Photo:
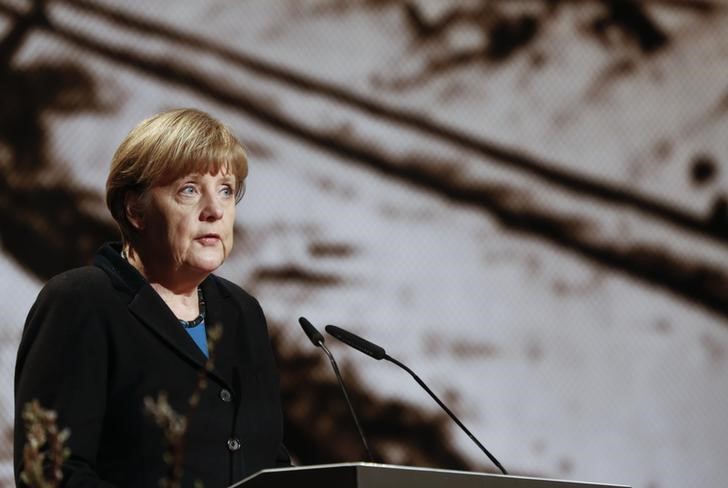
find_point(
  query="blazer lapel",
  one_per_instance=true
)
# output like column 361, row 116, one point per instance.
column 223, row 312
column 151, row 310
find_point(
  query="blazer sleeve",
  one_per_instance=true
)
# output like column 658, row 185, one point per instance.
column 62, row 362
column 262, row 348
column 282, row 456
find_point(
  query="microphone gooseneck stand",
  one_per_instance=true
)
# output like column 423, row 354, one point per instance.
column 317, row 339
column 378, row 353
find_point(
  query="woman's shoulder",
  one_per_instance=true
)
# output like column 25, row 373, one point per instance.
column 67, row 296
column 86, row 280
column 245, row 300
column 228, row 288
column 247, row 304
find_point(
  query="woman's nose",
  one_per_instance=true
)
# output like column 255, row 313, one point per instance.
column 212, row 208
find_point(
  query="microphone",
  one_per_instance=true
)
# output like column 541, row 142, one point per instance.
column 378, row 353
column 317, row 339
column 358, row 343
column 312, row 332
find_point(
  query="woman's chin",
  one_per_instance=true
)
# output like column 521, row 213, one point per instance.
column 207, row 263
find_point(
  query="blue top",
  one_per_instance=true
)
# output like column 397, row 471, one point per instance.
column 199, row 335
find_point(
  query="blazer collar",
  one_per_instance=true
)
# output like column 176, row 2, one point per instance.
column 147, row 306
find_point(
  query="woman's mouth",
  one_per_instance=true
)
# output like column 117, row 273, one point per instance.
column 208, row 239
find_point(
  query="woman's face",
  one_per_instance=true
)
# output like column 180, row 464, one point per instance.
column 187, row 225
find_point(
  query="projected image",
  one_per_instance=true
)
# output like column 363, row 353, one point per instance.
column 524, row 202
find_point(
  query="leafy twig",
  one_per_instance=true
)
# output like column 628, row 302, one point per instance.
column 173, row 424
column 42, row 430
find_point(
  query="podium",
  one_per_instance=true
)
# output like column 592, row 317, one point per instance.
column 372, row 475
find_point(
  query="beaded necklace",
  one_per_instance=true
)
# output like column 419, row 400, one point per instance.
column 187, row 324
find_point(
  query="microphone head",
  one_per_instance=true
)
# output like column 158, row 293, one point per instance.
column 353, row 340
column 313, row 334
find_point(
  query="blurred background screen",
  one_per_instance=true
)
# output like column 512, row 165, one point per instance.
column 526, row 202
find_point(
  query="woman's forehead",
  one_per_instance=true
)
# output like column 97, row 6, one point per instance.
column 222, row 174
column 221, row 170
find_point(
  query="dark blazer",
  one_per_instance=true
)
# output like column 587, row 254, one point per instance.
column 99, row 339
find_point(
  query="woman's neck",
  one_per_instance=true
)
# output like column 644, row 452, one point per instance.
column 184, row 306
column 178, row 292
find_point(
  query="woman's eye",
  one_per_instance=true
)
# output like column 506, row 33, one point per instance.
column 188, row 190
column 228, row 190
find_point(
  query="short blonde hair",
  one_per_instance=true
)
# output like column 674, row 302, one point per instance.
column 168, row 146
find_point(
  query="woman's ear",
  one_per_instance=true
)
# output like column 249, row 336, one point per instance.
column 133, row 210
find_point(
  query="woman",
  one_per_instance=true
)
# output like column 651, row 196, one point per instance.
column 100, row 339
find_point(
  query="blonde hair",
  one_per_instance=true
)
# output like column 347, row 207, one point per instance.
column 168, row 146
